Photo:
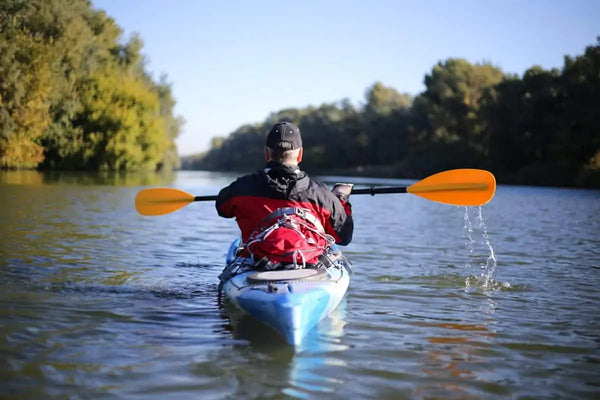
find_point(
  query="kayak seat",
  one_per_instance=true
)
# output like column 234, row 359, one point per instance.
column 284, row 275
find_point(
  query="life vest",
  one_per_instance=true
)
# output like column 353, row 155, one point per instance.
column 289, row 235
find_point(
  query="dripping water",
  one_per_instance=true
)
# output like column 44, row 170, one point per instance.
column 482, row 262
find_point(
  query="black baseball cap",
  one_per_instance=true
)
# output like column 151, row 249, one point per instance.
column 284, row 136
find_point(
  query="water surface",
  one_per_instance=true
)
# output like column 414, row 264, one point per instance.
column 97, row 301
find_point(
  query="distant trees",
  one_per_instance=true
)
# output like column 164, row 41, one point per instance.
column 545, row 127
column 541, row 128
column 73, row 97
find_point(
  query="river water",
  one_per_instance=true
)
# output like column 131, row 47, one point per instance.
column 449, row 302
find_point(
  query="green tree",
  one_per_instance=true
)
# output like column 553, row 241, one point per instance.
column 81, row 46
column 72, row 96
column 580, row 139
column 385, row 124
column 25, row 83
column 543, row 127
column 122, row 125
column 383, row 100
column 172, row 124
column 450, row 105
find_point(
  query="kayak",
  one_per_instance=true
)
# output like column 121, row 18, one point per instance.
column 291, row 301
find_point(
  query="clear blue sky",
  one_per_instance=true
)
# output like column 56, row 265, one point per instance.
column 234, row 62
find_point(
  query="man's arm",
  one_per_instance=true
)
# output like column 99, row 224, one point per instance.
column 341, row 218
column 223, row 205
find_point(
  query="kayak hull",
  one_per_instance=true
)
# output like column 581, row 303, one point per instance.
column 292, row 303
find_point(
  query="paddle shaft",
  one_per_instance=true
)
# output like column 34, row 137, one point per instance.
column 381, row 190
column 205, row 198
column 372, row 191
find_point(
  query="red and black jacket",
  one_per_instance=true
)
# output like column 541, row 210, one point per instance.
column 253, row 197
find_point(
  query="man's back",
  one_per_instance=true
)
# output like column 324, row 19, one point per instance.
column 253, row 197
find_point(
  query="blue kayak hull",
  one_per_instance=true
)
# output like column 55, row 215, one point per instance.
column 292, row 307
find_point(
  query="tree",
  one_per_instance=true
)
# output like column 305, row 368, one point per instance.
column 385, row 124
column 382, row 100
column 72, row 96
column 451, row 103
column 24, row 87
column 580, row 80
column 543, row 127
column 172, row 124
column 121, row 123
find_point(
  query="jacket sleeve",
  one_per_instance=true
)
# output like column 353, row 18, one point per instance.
column 341, row 221
column 224, row 204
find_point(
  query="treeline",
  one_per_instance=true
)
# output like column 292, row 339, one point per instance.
column 542, row 128
column 73, row 97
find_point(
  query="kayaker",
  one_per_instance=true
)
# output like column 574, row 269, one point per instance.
column 282, row 184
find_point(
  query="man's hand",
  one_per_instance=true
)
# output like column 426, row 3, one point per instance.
column 342, row 191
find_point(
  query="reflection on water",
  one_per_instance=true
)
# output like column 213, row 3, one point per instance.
column 458, row 353
column 32, row 177
column 306, row 371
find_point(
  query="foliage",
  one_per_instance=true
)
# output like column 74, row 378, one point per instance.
column 73, row 97
column 541, row 128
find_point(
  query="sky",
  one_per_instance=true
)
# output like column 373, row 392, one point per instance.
column 232, row 63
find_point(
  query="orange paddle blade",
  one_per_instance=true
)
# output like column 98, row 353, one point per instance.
column 461, row 187
column 160, row 201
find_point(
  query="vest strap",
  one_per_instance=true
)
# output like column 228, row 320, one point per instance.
column 301, row 212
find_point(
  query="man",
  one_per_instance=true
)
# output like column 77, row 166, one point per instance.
column 282, row 184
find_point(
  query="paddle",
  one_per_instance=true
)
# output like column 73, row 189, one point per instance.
column 461, row 187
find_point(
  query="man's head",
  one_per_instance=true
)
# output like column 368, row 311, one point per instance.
column 284, row 144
